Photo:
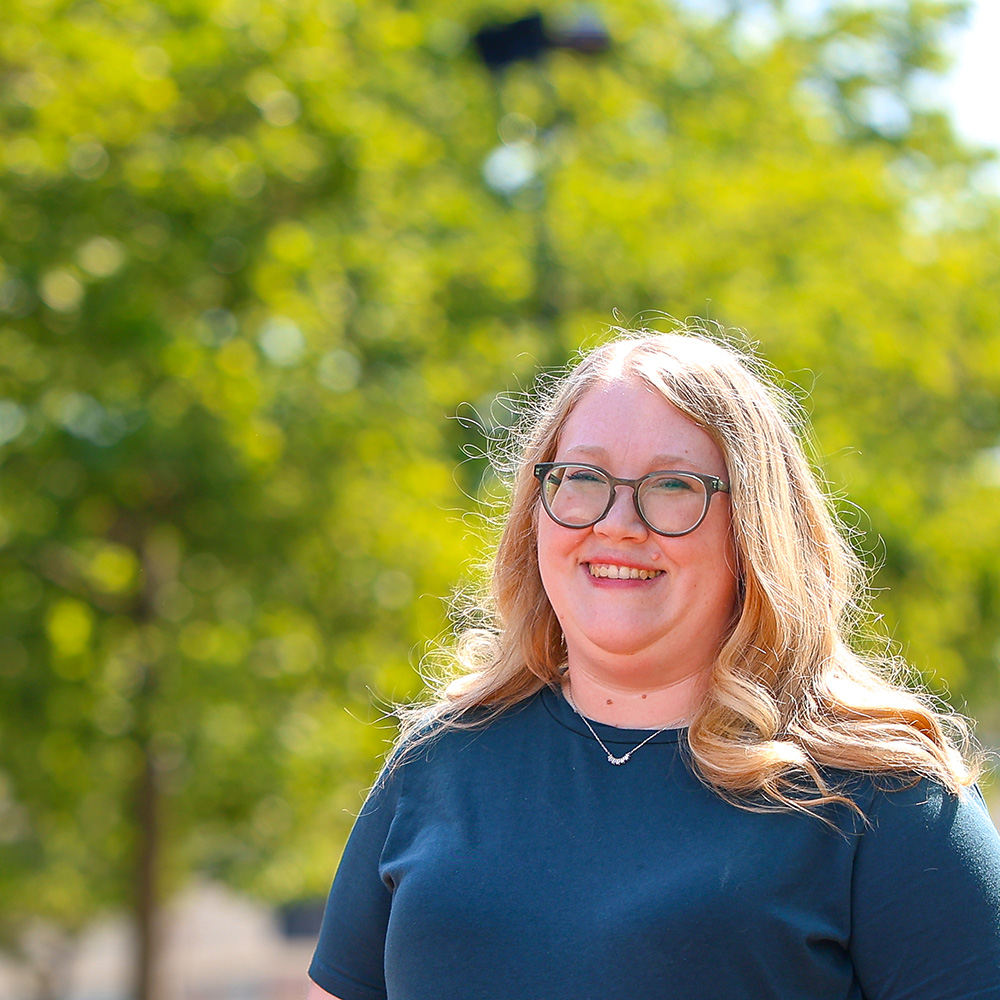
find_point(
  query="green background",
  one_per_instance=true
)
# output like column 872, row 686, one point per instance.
column 264, row 267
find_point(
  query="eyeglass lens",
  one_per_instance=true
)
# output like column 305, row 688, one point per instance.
column 578, row 496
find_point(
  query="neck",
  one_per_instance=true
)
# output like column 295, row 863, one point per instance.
column 630, row 706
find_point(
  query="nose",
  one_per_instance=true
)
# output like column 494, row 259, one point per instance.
column 623, row 520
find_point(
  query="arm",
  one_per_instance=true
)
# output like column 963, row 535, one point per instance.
column 349, row 957
column 318, row 993
column 926, row 897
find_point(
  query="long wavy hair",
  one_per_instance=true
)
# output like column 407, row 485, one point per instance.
column 792, row 694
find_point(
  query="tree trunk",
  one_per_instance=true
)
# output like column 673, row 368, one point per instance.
column 146, row 884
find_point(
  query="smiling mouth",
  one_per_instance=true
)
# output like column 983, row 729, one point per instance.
column 610, row 572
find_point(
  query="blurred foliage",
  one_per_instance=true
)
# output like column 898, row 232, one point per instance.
column 253, row 256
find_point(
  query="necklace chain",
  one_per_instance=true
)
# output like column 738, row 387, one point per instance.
column 612, row 759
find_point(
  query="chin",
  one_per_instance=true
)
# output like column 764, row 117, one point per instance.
column 613, row 647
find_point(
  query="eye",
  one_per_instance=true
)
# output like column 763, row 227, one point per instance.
column 670, row 484
column 584, row 476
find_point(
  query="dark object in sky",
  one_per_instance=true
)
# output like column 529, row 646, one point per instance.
column 501, row 43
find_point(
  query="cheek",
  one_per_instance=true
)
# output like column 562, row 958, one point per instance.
column 553, row 540
column 726, row 585
column 555, row 546
column 545, row 545
column 714, row 557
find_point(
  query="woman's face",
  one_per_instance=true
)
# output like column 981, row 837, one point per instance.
column 673, row 622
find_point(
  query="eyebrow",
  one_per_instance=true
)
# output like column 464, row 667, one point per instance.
column 659, row 462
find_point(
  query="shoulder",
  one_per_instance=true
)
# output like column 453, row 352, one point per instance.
column 889, row 802
column 445, row 734
column 911, row 805
column 922, row 828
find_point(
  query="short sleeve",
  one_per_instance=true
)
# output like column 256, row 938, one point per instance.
column 926, row 898
column 349, row 957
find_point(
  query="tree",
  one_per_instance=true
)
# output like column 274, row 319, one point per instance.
column 255, row 255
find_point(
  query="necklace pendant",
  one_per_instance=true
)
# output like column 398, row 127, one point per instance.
column 612, row 759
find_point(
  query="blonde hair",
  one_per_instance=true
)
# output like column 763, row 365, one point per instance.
column 788, row 697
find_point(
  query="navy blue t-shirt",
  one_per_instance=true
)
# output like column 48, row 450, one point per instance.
column 514, row 862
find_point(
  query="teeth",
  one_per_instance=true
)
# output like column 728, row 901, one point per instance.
column 612, row 572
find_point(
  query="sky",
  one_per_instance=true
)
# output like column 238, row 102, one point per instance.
column 972, row 91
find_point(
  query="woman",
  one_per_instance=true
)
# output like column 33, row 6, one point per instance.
column 664, row 773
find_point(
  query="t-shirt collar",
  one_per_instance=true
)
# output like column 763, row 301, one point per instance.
column 561, row 710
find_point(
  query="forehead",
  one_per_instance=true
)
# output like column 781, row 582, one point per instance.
column 626, row 422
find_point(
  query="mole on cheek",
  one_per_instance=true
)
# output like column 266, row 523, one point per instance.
column 608, row 702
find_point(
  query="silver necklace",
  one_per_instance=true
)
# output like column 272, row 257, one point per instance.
column 611, row 757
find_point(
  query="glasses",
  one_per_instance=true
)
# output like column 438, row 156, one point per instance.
column 670, row 503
